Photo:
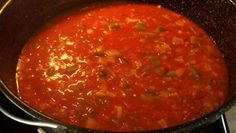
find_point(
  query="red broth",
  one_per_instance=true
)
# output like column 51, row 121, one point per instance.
column 122, row 67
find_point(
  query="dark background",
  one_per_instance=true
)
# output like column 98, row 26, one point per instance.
column 9, row 126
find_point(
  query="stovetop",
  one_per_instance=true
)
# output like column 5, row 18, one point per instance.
column 9, row 126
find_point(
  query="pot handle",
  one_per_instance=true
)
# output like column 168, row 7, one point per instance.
column 233, row 2
column 4, row 4
column 27, row 122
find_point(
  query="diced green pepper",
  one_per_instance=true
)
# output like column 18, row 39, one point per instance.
column 71, row 70
column 101, row 100
column 154, row 61
column 159, row 71
column 138, row 129
column 171, row 74
column 148, row 96
column 50, row 72
column 210, row 81
column 194, row 74
column 115, row 122
column 161, row 29
column 195, row 40
column 99, row 52
column 149, row 35
column 141, row 26
column 114, row 26
column 134, row 118
column 103, row 73
column 81, row 100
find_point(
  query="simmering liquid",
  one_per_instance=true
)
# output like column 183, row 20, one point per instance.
column 122, row 67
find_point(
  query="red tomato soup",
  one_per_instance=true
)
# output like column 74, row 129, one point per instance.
column 122, row 67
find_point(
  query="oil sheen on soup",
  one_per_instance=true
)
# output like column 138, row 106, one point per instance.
column 122, row 67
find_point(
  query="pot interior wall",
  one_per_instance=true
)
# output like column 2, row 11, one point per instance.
column 21, row 19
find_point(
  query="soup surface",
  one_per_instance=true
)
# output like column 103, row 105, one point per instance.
column 122, row 67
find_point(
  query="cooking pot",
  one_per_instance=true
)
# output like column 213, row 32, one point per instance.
column 20, row 19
